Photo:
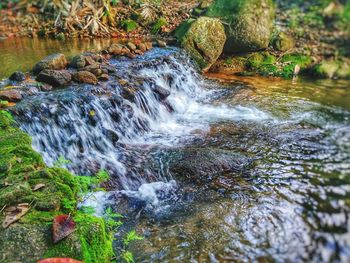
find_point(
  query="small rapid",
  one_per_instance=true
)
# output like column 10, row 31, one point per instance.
column 158, row 99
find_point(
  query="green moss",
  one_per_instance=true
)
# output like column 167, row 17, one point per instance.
column 129, row 25
column 182, row 29
column 256, row 60
column 158, row 25
column 21, row 169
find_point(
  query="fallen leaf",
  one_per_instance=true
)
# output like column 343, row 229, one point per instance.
column 38, row 187
column 14, row 213
column 63, row 226
column 59, row 260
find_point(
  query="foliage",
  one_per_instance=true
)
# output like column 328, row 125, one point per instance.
column 130, row 237
column 61, row 162
column 129, row 25
column 158, row 25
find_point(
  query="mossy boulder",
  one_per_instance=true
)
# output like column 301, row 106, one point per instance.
column 332, row 69
column 249, row 23
column 204, row 40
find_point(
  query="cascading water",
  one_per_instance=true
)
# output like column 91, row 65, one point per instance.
column 254, row 173
column 159, row 100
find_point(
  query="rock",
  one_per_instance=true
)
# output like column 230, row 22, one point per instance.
column 103, row 77
column 115, row 49
column 11, row 95
column 78, row 62
column 204, row 166
column 205, row 4
column 45, row 87
column 249, row 23
column 161, row 43
column 129, row 93
column 283, row 42
column 204, row 41
column 54, row 61
column 89, row 61
column 325, row 69
column 142, row 47
column 17, row 76
column 343, row 71
column 131, row 46
column 54, row 77
column 85, row 77
column 149, row 45
column 162, row 93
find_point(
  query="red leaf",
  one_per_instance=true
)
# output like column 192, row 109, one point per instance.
column 59, row 260
column 63, row 226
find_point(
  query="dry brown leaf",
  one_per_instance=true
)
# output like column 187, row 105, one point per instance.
column 14, row 213
column 38, row 187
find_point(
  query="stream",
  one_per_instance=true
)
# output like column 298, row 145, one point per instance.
column 208, row 168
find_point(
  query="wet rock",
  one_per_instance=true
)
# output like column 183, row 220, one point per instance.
column 115, row 49
column 78, row 62
column 149, row 45
column 129, row 93
column 161, row 43
column 12, row 95
column 54, row 61
column 18, row 76
column 131, row 46
column 162, row 93
column 283, row 42
column 142, row 47
column 204, row 40
column 103, row 77
column 90, row 60
column 109, row 69
column 97, row 72
column 112, row 136
column 85, row 77
column 205, row 166
column 123, row 82
column 45, row 87
column 249, row 23
column 54, row 77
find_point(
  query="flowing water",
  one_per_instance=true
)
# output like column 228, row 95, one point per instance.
column 228, row 170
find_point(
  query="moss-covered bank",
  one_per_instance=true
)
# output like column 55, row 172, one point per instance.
column 30, row 239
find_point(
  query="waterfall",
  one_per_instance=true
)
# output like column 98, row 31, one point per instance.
column 156, row 99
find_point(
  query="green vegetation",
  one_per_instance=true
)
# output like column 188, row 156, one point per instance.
column 21, row 169
column 129, row 25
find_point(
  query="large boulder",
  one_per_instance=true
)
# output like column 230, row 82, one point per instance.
column 54, row 61
column 54, row 77
column 203, row 39
column 249, row 23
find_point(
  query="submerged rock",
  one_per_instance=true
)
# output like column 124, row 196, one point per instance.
column 85, row 77
column 205, row 166
column 18, row 76
column 204, row 40
column 54, row 77
column 54, row 61
column 249, row 23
